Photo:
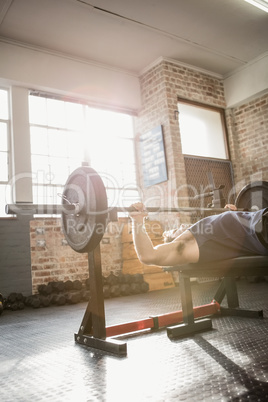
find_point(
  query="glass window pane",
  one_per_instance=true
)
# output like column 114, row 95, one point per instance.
column 4, row 166
column 51, row 195
column 201, row 132
column 3, row 104
column 74, row 116
column 40, row 168
column 3, row 137
column 130, row 175
column 55, row 113
column 37, row 110
column 76, row 144
column 39, row 141
column 114, row 125
column 57, row 142
column 73, row 133
column 59, row 170
column 123, row 151
column 125, row 126
column 119, row 197
column 73, row 164
column 128, row 197
column 46, row 194
column 38, row 194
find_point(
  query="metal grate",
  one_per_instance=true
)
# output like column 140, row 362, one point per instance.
column 197, row 171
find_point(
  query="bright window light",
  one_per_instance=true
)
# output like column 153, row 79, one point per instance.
column 261, row 4
column 201, row 132
column 65, row 134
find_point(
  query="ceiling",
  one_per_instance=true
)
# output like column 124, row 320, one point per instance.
column 216, row 35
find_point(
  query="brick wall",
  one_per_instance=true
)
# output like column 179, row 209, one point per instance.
column 248, row 139
column 52, row 259
column 160, row 88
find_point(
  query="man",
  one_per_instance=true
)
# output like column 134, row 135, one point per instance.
column 214, row 238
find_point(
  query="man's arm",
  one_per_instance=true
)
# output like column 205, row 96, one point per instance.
column 182, row 250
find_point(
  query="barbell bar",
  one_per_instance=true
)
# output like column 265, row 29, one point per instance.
column 56, row 209
column 245, row 199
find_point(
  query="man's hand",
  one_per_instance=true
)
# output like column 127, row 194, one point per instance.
column 139, row 212
column 232, row 207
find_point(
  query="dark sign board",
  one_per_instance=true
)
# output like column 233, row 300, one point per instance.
column 153, row 157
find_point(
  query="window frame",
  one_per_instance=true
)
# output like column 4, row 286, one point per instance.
column 221, row 112
column 8, row 151
column 5, row 184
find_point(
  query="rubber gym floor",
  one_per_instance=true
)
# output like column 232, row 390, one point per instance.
column 41, row 362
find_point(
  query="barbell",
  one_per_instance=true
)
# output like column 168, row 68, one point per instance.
column 85, row 212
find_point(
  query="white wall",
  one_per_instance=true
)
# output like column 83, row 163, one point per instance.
column 33, row 69
column 247, row 82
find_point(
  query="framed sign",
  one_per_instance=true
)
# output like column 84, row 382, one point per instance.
column 153, row 158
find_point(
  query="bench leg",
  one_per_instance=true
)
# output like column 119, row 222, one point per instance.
column 228, row 287
column 231, row 292
column 239, row 312
column 189, row 325
column 221, row 292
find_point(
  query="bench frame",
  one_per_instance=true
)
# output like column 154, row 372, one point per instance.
column 228, row 270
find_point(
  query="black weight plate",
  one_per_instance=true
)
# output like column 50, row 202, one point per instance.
column 84, row 231
column 253, row 196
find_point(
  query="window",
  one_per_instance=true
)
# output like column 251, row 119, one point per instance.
column 65, row 134
column 4, row 149
column 202, row 130
column 111, row 147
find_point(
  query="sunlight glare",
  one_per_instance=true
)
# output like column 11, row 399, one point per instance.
column 3, row 104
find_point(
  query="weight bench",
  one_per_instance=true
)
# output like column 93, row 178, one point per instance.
column 228, row 270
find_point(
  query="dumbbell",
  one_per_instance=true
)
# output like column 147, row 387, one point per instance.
column 45, row 289
column 125, row 289
column 106, row 291
column 58, row 299
column 57, row 287
column 85, row 295
column 112, row 279
column 68, row 285
column 115, row 290
column 73, row 297
column 12, row 298
column 77, row 285
column 128, row 278
column 137, row 278
column 33, row 301
column 135, row 288
column 144, row 287
column 14, row 306
column 14, row 301
column 45, row 300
